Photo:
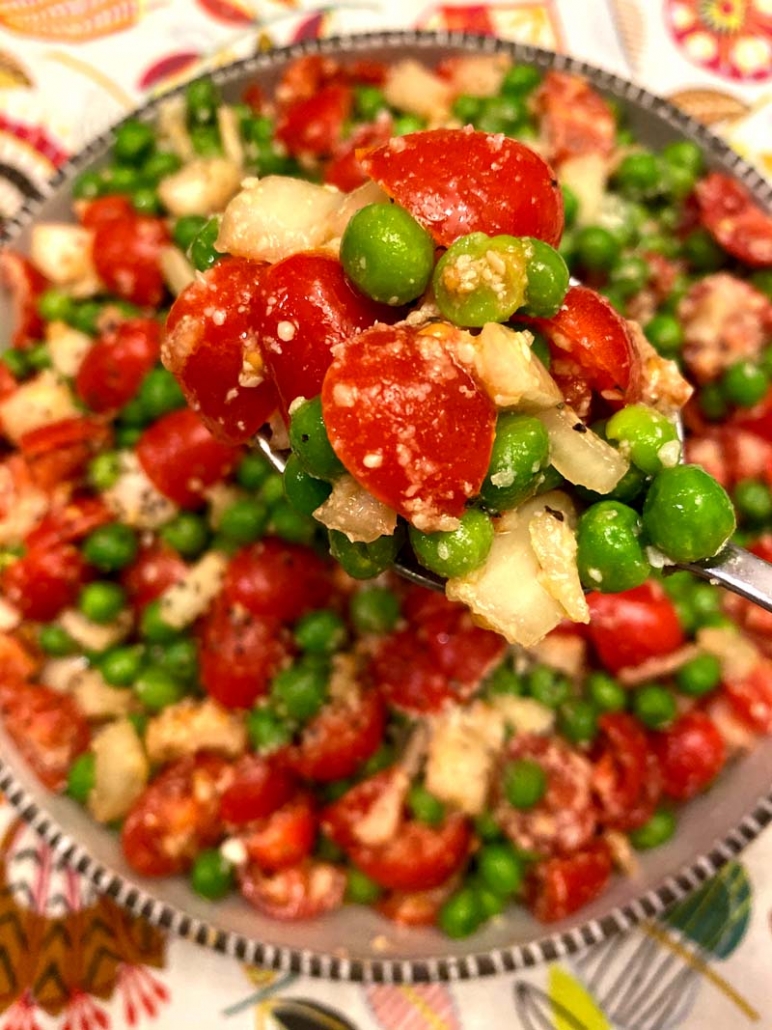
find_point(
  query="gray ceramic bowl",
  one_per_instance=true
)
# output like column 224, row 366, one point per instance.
column 711, row 830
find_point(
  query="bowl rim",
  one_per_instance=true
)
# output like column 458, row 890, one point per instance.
column 143, row 902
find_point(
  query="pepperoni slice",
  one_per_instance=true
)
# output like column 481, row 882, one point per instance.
column 457, row 181
column 732, row 216
column 409, row 424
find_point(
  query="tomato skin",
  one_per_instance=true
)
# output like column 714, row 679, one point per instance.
column 344, row 169
column 260, row 786
column 574, row 117
column 732, row 216
column 751, row 696
column 414, row 908
column 625, row 783
column 458, row 181
column 285, row 837
column 239, row 653
column 155, row 568
column 691, row 754
column 314, row 124
column 298, row 892
column 418, row 857
column 310, row 292
column 115, row 365
column 208, row 327
column 396, row 392
column 181, row 457
column 561, row 886
column 406, row 674
column 627, row 628
column 277, row 580
column 17, row 664
column 48, row 728
column 103, row 210
column 70, row 522
column 45, row 580
column 61, row 450
column 126, row 254
column 339, row 739
column 25, row 285
column 176, row 816
column 592, row 347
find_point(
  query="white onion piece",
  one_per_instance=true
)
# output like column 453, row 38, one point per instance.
column 201, row 187
column 580, row 455
column 121, row 771
column 352, row 510
column 554, row 545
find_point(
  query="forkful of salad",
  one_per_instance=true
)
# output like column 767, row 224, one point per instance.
column 445, row 393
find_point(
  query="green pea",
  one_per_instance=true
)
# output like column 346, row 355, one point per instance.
column 656, row 831
column 86, row 316
column 152, row 625
column 111, row 547
column 259, row 129
column 712, row 402
column 665, row 334
column 134, row 140
column 606, row 693
column 364, row 561
column 321, row 632
column 504, row 681
column 639, row 175
column 762, row 280
column 102, row 602
column 466, row 108
column 504, row 113
column 15, row 361
column 629, row 275
column 678, row 182
column 267, row 730
column 81, row 777
column 610, row 556
column 455, row 552
column 202, row 99
column 38, row 357
column 159, row 393
column 327, row 850
column 55, row 305
column 368, row 102
column 491, row 903
column 654, row 706
column 133, row 414
column 146, row 201
column 139, row 721
column 203, row 253
column 56, row 641
column 360, row 889
column 570, row 205
column 382, row 759
column 660, row 243
column 310, row 443
column 501, row 868
column 156, row 689
column 288, row 523
column 406, row 123
column 272, row 490
column 524, row 782
column 212, row 876
column 699, row 676
column 702, row 252
column 87, row 186
column 520, row 79
column 644, row 436
column 120, row 179
column 687, row 514
column 253, row 470
column 548, row 686
column 186, row 229
column 578, row 720
column 160, row 164
column 179, row 658
column 547, row 276
column 597, row 249
column 374, row 610
column 187, row 533
column 753, row 500
column 744, row 384
column 300, row 690
column 461, row 914
column 481, row 279
column 270, row 160
column 387, row 254
column 304, row 492
column 120, row 666
column 684, row 154
column 425, row 806
column 486, row 827
column 520, row 452
column 104, row 470
column 244, row 521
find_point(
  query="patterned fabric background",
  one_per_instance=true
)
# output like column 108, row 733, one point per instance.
column 71, row 959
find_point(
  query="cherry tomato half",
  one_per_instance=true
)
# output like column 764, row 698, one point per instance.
column 277, row 580
column 127, row 255
column 628, row 628
column 732, row 216
column 45, row 580
column 117, row 362
column 575, row 119
column 561, row 886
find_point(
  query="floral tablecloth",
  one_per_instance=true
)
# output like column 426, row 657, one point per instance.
column 72, row 959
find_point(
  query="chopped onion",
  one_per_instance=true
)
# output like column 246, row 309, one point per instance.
column 508, row 369
column 191, row 726
column 39, row 402
column 183, row 602
column 121, row 771
column 201, row 187
column 578, row 454
column 352, row 510
column 554, row 545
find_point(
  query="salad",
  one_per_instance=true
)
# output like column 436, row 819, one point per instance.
column 375, row 264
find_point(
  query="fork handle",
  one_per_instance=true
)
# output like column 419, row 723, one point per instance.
column 739, row 571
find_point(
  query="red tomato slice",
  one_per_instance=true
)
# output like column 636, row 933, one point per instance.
column 239, row 653
column 45, row 580
column 340, row 738
column 628, row 628
column 409, row 424
column 285, row 838
column 575, row 119
column 16, row 663
column 457, row 181
column 620, row 776
column 406, row 673
column 414, row 908
column 115, row 365
column 24, row 284
column 591, row 345
column 209, row 328
column 751, row 696
column 113, row 208
column 277, row 580
column 419, row 857
column 127, row 258
column 70, row 522
column 691, row 754
column 315, row 124
column 561, row 886
column 732, row 216
column 344, row 169
column 308, row 74
column 300, row 892
column 182, row 459
column 260, row 787
column 565, row 819
column 307, row 306
column 155, row 568
column 176, row 816
column 60, row 451
column 47, row 727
